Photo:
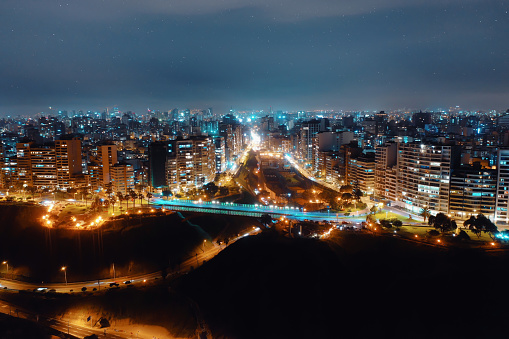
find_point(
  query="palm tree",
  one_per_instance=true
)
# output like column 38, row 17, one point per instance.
column 109, row 189
column 106, row 203
column 425, row 213
column 132, row 194
column 84, row 193
column 113, row 201
column 120, row 198
column 96, row 203
column 149, row 196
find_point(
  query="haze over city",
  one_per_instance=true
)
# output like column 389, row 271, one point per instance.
column 289, row 55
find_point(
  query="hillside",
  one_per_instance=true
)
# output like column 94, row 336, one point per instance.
column 353, row 285
column 136, row 245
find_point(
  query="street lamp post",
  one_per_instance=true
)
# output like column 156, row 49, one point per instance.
column 7, row 270
column 65, row 273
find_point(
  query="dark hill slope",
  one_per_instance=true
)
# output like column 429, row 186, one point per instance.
column 352, row 286
column 264, row 286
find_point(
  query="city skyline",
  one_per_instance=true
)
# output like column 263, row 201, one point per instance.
column 288, row 56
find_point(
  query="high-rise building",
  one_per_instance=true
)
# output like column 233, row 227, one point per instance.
column 122, row 178
column 157, row 163
column 307, row 134
column 385, row 163
column 473, row 191
column 106, row 158
column 191, row 162
column 68, row 160
column 52, row 165
column 502, row 201
column 220, row 151
column 362, row 172
column 424, row 174
column 44, row 166
column 24, row 163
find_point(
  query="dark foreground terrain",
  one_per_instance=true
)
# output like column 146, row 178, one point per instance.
column 353, row 285
column 138, row 244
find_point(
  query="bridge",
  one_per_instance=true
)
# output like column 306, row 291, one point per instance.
column 246, row 210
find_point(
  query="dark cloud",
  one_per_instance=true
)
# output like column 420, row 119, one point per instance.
column 289, row 55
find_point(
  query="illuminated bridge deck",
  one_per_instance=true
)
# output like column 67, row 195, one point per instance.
column 227, row 208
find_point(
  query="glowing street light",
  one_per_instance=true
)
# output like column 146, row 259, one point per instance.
column 6, row 263
column 65, row 273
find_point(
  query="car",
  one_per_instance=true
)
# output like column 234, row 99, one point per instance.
column 114, row 284
column 127, row 282
column 345, row 222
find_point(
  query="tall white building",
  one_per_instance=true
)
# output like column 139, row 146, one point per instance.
column 424, row 173
column 502, row 201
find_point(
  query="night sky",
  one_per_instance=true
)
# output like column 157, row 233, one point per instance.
column 288, row 55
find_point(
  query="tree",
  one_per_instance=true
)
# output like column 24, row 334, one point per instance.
column 223, row 190
column 373, row 209
column 357, row 193
column 370, row 218
column 167, row 193
column 96, row 203
column 109, row 189
column 113, row 201
column 31, row 189
column 385, row 223
column 149, row 196
column 442, row 222
column 397, row 223
column 70, row 190
column 132, row 194
column 346, row 197
column 425, row 213
column 211, row 188
column 84, row 190
column 120, row 198
column 106, row 203
column 481, row 224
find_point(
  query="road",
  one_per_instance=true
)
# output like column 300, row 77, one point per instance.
column 192, row 261
column 59, row 324
column 80, row 331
